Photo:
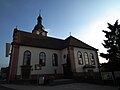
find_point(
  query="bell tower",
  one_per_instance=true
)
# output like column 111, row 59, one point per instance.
column 39, row 28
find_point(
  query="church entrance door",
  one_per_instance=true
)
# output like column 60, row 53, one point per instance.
column 67, row 68
column 25, row 72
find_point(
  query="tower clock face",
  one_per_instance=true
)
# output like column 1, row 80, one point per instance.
column 38, row 32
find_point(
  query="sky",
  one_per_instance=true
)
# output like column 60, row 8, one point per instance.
column 85, row 19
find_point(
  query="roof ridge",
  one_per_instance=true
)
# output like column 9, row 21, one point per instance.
column 51, row 42
column 70, row 42
column 39, row 35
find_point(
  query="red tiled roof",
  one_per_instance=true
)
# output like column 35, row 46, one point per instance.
column 34, row 40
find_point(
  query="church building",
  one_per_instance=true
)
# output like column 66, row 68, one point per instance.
column 36, row 54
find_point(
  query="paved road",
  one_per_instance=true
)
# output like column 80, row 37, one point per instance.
column 74, row 86
column 5, row 88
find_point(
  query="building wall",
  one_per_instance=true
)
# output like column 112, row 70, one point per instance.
column 64, row 54
column 13, row 62
column 79, row 68
column 48, row 68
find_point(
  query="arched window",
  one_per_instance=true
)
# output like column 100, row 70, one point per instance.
column 86, row 58
column 42, row 58
column 92, row 59
column 55, row 59
column 80, row 59
column 27, row 57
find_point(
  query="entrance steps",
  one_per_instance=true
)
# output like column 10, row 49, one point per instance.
column 62, row 81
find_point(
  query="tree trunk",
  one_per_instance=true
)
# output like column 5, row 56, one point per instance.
column 114, row 79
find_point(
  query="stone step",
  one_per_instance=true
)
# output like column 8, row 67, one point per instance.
column 62, row 81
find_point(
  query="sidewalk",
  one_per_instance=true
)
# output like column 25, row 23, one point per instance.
column 74, row 86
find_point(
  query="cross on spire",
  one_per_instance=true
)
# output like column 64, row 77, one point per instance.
column 70, row 33
column 40, row 12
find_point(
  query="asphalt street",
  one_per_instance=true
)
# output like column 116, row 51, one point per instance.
column 5, row 88
column 73, row 86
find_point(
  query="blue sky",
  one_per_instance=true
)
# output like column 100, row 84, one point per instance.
column 85, row 19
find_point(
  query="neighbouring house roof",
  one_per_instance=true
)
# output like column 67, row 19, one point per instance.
column 34, row 40
column 110, row 66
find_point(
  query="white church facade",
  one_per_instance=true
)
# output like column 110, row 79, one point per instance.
column 36, row 54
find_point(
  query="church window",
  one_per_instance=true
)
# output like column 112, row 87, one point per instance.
column 86, row 58
column 79, row 56
column 55, row 59
column 27, row 57
column 42, row 58
column 92, row 59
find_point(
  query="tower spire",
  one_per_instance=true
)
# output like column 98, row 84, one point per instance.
column 39, row 17
column 39, row 28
